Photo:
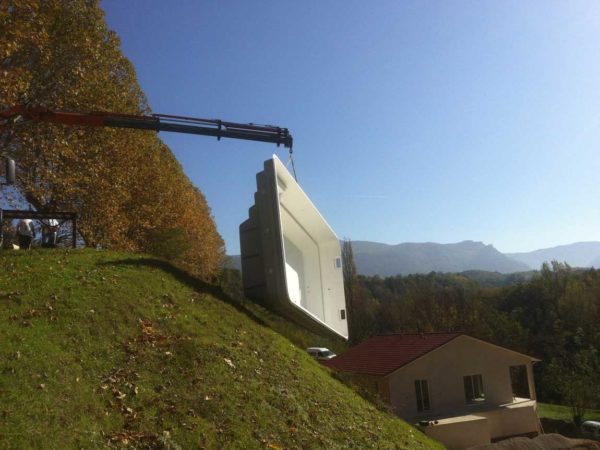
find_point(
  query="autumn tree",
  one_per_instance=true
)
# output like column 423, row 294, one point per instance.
column 362, row 311
column 575, row 378
column 351, row 286
column 126, row 185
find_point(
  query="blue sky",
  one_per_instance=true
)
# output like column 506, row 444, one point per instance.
column 413, row 121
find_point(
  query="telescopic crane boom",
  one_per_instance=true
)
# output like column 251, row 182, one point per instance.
column 157, row 122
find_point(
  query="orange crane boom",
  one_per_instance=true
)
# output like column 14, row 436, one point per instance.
column 157, row 122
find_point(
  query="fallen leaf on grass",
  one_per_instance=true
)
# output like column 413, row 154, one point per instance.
column 229, row 363
column 32, row 313
column 119, row 395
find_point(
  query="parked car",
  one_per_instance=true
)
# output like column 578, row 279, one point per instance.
column 320, row 353
column 591, row 429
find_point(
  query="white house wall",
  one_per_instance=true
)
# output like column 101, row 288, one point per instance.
column 444, row 369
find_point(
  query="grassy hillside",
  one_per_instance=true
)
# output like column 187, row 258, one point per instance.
column 564, row 413
column 101, row 349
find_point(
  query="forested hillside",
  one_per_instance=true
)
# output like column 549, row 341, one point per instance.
column 554, row 316
column 127, row 187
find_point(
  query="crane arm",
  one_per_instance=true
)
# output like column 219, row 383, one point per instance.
column 157, row 122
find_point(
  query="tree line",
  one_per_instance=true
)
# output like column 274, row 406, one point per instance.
column 553, row 314
column 126, row 185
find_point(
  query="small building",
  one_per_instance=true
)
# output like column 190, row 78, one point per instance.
column 460, row 390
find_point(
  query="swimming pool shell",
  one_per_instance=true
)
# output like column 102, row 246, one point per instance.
column 291, row 258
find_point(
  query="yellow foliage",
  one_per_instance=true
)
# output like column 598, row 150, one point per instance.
column 124, row 184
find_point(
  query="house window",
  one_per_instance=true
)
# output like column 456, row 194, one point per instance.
column 474, row 389
column 422, row 393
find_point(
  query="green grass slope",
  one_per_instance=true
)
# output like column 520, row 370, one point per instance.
column 101, row 349
column 564, row 413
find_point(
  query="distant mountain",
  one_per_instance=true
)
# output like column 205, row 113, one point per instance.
column 595, row 263
column 579, row 254
column 373, row 258
column 233, row 262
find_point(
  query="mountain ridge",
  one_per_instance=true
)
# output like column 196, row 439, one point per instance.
column 377, row 258
column 578, row 254
column 411, row 257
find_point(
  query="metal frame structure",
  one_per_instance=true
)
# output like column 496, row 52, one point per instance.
column 10, row 214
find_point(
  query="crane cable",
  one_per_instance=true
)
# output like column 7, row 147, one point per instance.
column 291, row 161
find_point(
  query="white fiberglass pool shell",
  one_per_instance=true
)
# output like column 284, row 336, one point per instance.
column 291, row 258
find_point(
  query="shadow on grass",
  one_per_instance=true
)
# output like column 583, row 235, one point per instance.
column 183, row 277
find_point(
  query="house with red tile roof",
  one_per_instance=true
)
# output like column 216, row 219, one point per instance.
column 463, row 391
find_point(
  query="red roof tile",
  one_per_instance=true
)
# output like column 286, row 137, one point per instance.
column 381, row 355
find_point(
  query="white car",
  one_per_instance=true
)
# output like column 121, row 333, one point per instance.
column 591, row 429
column 320, row 353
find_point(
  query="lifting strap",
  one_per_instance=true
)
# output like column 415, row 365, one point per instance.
column 291, row 161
